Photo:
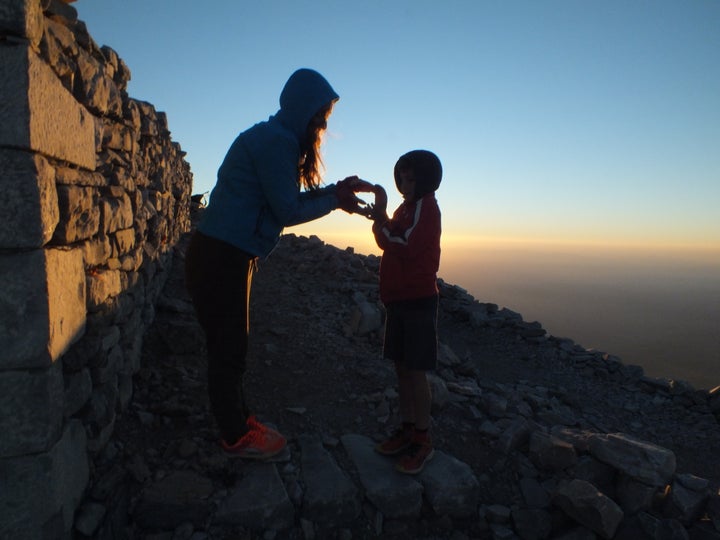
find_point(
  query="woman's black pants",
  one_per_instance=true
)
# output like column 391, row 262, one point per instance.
column 218, row 277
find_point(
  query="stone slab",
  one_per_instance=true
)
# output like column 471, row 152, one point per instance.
column 22, row 18
column 258, row 501
column 24, row 320
column 180, row 497
column 644, row 461
column 37, row 489
column 450, row 486
column 66, row 299
column 394, row 494
column 37, row 113
column 31, row 410
column 585, row 504
column 29, row 201
column 42, row 306
column 330, row 496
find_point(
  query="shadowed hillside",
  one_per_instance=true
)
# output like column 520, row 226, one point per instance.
column 537, row 437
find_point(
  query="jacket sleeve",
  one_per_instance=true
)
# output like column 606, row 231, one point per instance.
column 278, row 175
column 408, row 242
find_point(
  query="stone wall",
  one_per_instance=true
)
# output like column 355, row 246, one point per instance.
column 93, row 195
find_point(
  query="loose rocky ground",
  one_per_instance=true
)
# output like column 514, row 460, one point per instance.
column 517, row 408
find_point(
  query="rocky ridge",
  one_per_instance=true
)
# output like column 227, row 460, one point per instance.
column 536, row 437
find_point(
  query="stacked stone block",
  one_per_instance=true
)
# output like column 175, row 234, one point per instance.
column 93, row 195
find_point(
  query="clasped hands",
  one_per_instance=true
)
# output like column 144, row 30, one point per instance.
column 352, row 204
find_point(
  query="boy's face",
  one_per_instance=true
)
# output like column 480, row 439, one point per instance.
column 407, row 184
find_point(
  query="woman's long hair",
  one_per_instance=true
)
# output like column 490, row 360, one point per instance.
column 311, row 166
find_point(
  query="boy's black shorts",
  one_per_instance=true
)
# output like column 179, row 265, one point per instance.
column 411, row 333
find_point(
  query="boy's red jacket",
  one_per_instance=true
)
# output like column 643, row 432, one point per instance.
column 411, row 250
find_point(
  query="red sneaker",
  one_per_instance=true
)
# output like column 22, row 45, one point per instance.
column 401, row 439
column 254, row 425
column 416, row 458
column 256, row 444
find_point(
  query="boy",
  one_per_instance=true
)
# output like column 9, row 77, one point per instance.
column 408, row 288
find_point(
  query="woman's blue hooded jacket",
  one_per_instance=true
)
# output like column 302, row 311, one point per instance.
column 257, row 192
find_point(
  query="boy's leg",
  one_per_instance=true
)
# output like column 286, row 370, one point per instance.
column 402, row 438
column 393, row 352
column 421, row 450
column 421, row 398
column 421, row 354
column 406, row 394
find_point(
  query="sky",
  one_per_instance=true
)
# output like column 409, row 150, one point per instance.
column 559, row 122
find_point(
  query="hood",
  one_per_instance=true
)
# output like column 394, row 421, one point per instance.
column 304, row 94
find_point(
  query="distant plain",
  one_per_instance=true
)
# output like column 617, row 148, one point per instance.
column 659, row 309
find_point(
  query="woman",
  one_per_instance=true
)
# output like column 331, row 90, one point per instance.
column 269, row 179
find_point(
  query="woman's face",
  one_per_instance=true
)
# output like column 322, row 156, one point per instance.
column 319, row 121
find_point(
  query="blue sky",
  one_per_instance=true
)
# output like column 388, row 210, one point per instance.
column 561, row 121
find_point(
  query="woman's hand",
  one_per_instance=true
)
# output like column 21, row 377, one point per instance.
column 359, row 185
column 348, row 201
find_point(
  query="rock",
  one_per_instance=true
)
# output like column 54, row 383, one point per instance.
column 585, row 504
column 578, row 533
column 599, row 474
column 634, row 496
column 395, row 495
column 330, row 496
column 532, row 523
column 498, row 513
column 515, row 436
column 692, row 482
column 450, row 486
column 713, row 507
column 258, row 501
column 703, row 531
column 550, row 453
column 370, row 319
column 685, row 504
column 89, row 518
column 714, row 401
column 179, row 497
column 489, row 429
column 439, row 392
column 446, row 356
column 662, row 529
column 638, row 459
column 494, row 404
column 534, row 494
column 580, row 439
column 469, row 388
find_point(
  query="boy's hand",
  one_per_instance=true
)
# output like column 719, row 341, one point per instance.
column 379, row 209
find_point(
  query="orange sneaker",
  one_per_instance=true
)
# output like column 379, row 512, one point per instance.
column 401, row 439
column 415, row 458
column 258, row 443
